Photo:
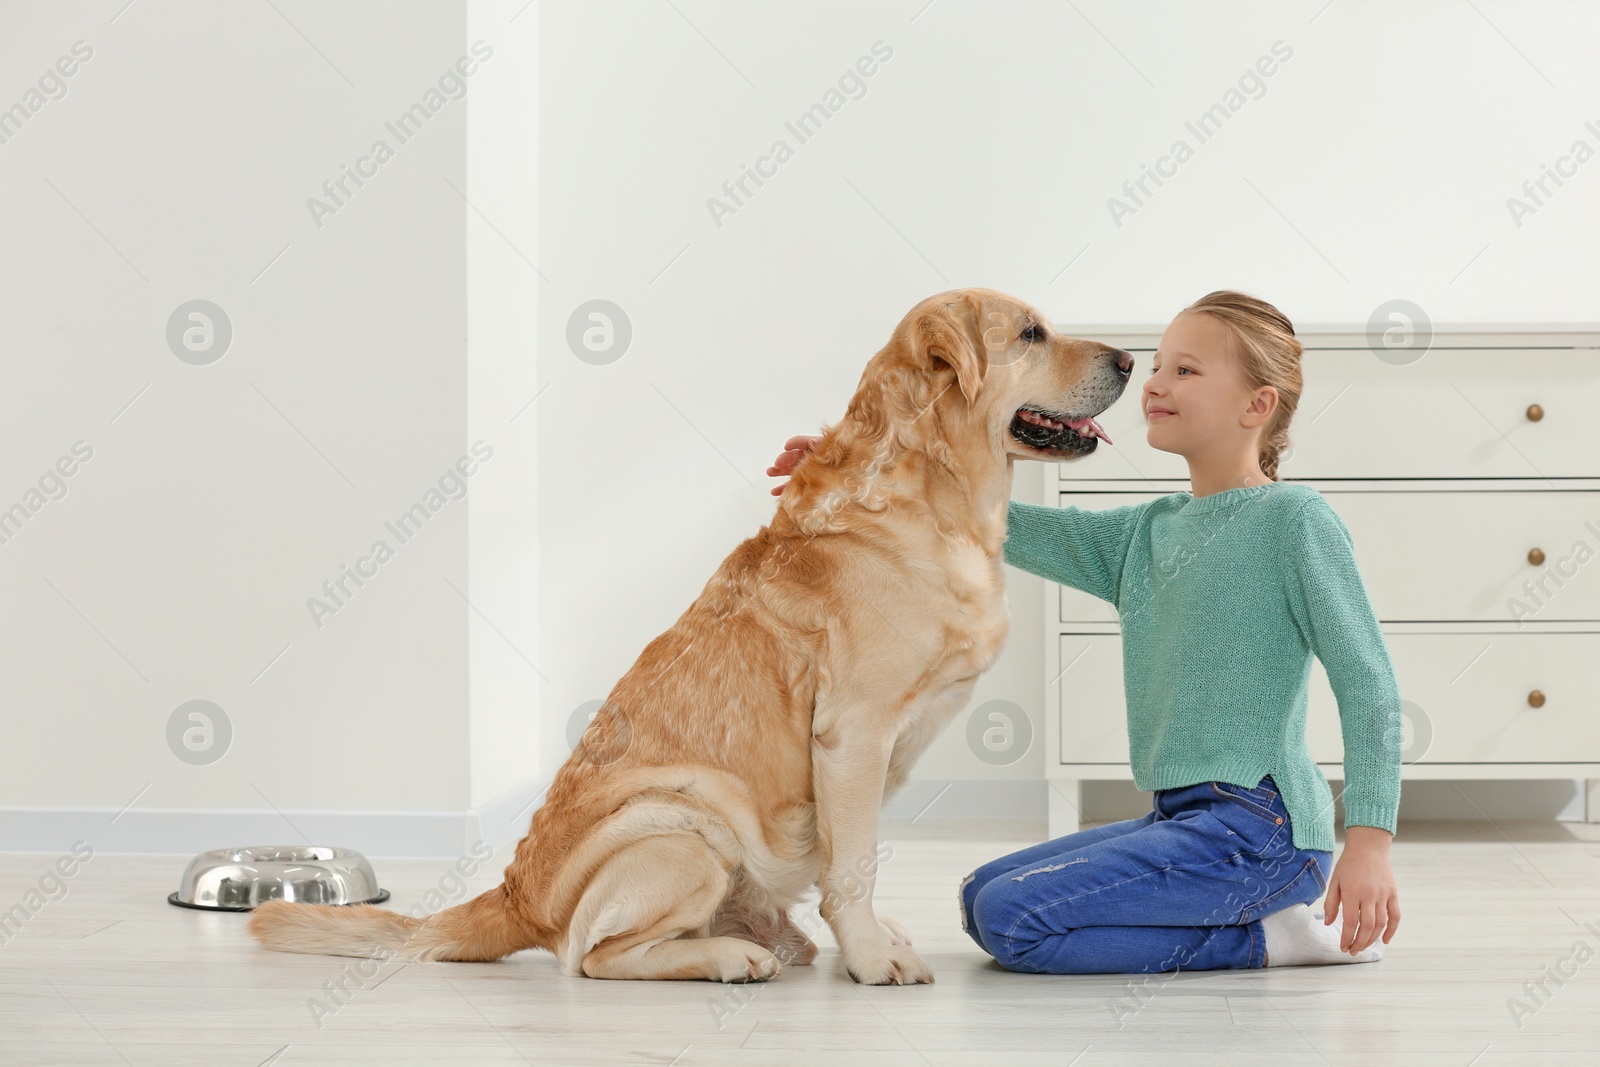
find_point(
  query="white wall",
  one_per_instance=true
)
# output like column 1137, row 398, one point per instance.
column 372, row 351
column 218, row 498
column 502, row 227
column 1375, row 164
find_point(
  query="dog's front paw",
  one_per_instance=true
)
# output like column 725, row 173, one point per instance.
column 896, row 933
column 889, row 965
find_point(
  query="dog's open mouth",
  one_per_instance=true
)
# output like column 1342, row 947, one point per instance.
column 1053, row 431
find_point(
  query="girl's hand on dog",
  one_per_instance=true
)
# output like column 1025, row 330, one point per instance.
column 794, row 450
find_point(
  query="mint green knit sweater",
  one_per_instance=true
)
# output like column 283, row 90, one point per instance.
column 1223, row 599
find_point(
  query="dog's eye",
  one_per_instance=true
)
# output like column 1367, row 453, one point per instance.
column 1033, row 333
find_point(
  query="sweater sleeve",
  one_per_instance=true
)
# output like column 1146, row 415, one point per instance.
column 1071, row 545
column 1329, row 603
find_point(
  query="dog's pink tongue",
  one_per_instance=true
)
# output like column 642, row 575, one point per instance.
column 1090, row 428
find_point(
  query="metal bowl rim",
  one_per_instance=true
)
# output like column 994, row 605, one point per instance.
column 172, row 898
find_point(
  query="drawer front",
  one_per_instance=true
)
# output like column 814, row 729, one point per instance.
column 1446, row 556
column 1467, row 699
column 1078, row 606
column 1454, row 413
column 1459, row 556
column 1091, row 704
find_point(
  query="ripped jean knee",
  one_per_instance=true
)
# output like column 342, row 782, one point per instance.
column 964, row 899
column 966, row 905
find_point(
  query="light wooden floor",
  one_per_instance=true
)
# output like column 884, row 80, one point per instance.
column 111, row 974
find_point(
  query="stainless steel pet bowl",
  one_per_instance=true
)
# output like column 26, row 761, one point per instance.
column 240, row 879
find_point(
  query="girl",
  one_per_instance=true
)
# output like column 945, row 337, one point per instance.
column 1224, row 593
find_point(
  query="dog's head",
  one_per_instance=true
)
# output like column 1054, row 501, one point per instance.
column 970, row 379
column 997, row 368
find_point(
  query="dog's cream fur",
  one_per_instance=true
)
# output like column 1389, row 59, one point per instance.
column 745, row 755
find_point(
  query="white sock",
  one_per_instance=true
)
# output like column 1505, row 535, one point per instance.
column 1296, row 936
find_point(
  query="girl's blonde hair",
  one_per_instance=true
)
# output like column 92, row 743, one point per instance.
column 1269, row 354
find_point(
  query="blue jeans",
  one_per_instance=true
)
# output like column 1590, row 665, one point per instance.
column 1181, row 888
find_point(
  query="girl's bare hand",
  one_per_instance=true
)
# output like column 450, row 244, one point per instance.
column 794, row 450
column 1363, row 883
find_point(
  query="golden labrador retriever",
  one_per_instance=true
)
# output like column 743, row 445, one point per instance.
column 744, row 757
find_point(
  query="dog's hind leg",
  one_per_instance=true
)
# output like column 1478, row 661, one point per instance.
column 632, row 917
column 791, row 943
column 747, row 913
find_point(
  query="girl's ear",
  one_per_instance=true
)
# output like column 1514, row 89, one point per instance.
column 1264, row 403
column 948, row 334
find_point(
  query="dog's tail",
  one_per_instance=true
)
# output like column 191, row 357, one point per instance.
column 484, row 928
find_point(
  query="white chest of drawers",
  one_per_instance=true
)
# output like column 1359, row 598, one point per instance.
column 1469, row 477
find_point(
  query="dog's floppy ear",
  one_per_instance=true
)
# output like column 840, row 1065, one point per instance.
column 948, row 333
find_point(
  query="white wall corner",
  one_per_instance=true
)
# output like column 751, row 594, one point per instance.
column 500, row 215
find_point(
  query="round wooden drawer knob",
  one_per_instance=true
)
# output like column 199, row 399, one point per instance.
column 1535, row 556
column 1536, row 699
column 1535, row 412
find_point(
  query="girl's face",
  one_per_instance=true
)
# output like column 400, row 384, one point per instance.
column 1196, row 400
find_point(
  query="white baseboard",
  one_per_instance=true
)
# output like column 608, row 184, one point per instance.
column 372, row 833
column 505, row 821
column 968, row 798
column 420, row 833
column 925, row 802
